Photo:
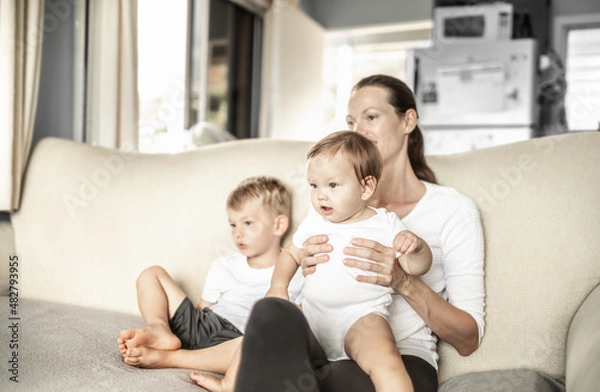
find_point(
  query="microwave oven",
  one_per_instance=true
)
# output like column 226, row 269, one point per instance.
column 483, row 22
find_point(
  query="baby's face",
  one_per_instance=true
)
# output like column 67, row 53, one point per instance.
column 336, row 193
column 252, row 228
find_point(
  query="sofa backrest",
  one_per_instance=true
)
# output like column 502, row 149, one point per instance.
column 540, row 211
column 92, row 219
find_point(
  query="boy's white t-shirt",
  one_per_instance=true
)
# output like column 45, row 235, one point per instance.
column 234, row 287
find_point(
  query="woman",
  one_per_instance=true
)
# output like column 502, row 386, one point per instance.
column 279, row 352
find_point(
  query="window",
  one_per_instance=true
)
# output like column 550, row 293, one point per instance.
column 577, row 41
column 582, row 100
column 161, row 74
column 198, row 70
column 353, row 54
column 226, row 96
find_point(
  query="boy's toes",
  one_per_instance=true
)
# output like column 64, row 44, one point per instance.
column 133, row 361
column 134, row 352
column 125, row 335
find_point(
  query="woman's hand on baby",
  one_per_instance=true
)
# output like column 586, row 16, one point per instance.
column 382, row 262
column 315, row 245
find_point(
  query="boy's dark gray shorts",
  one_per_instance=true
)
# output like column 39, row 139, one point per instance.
column 200, row 328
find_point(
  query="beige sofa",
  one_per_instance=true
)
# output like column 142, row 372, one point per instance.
column 91, row 219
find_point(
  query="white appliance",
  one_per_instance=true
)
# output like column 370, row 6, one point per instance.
column 474, row 95
column 482, row 22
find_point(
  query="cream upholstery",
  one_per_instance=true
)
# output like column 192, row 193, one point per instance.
column 91, row 219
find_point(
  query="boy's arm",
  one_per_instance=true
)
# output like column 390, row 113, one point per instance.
column 416, row 255
column 285, row 268
column 213, row 286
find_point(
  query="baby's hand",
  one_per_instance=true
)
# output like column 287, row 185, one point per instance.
column 278, row 293
column 406, row 242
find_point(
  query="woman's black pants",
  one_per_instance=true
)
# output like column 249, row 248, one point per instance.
column 281, row 354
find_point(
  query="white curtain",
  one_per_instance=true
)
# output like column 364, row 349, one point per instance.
column 112, row 94
column 21, row 29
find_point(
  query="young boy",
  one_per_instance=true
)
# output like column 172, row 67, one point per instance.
column 258, row 211
column 347, row 317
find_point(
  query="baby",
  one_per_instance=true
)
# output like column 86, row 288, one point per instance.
column 349, row 317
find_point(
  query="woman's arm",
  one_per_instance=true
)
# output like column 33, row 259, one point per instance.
column 448, row 322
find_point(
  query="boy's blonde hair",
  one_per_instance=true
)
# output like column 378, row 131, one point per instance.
column 362, row 153
column 270, row 191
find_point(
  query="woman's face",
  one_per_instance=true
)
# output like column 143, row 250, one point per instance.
column 370, row 114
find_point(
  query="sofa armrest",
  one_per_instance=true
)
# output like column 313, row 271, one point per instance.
column 583, row 346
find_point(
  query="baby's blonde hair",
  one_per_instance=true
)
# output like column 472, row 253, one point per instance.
column 270, row 191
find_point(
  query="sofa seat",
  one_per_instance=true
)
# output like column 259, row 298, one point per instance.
column 73, row 348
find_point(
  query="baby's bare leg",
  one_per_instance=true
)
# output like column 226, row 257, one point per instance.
column 370, row 342
column 158, row 299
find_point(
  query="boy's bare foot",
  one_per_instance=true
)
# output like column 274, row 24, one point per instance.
column 147, row 358
column 155, row 336
column 210, row 382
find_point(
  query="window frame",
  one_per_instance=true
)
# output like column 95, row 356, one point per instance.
column 197, row 77
column 564, row 24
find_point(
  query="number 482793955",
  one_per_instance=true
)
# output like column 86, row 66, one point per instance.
column 13, row 282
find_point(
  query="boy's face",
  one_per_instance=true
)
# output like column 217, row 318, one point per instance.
column 336, row 194
column 253, row 228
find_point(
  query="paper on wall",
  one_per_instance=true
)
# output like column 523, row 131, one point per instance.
column 471, row 87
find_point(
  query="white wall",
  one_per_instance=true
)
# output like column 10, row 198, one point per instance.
column 291, row 75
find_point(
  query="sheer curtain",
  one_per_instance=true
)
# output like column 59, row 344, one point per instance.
column 20, row 53
column 112, row 89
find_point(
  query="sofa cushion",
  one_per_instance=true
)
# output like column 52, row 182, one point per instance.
column 70, row 348
column 522, row 380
